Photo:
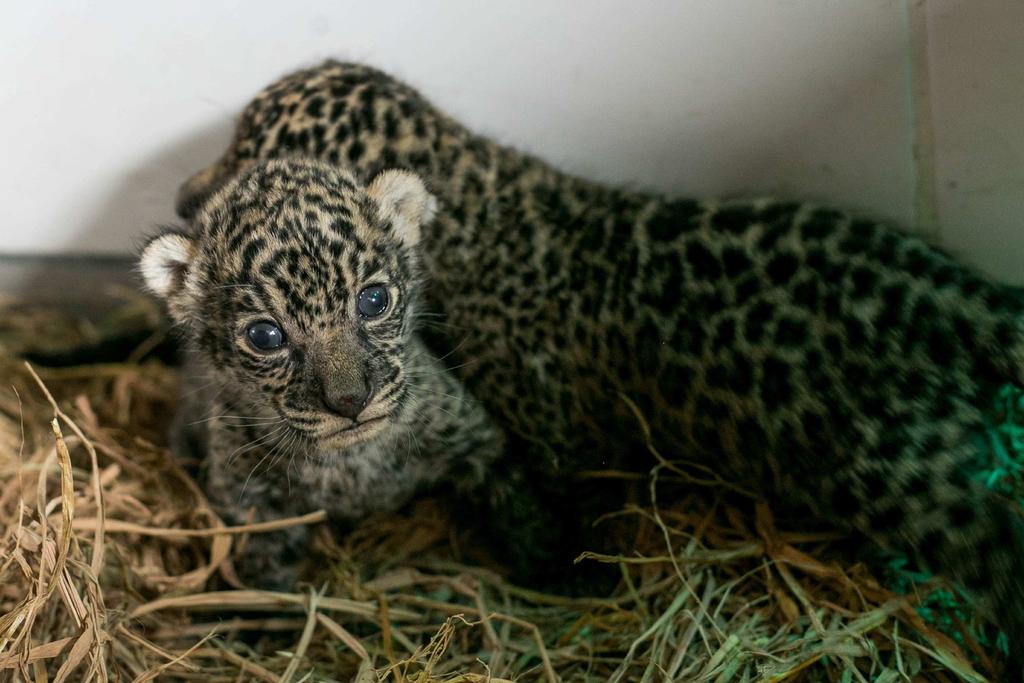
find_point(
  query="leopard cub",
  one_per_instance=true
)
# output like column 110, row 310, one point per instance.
column 305, row 384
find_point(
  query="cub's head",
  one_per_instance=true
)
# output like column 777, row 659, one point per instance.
column 295, row 288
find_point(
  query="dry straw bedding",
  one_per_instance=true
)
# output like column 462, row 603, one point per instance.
column 113, row 567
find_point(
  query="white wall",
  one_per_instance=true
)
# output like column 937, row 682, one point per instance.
column 107, row 106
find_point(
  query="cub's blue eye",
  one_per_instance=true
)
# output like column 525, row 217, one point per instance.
column 265, row 336
column 372, row 301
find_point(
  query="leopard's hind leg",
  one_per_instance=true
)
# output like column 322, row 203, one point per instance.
column 912, row 487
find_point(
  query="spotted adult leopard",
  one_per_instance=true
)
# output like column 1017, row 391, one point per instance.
column 831, row 361
column 295, row 291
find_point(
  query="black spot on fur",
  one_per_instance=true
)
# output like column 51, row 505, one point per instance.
column 791, row 332
column 672, row 219
column 756, row 320
column 864, row 281
column 736, row 262
column 931, row 547
column 941, row 346
column 355, row 151
column 776, row 383
column 779, row 212
column 855, row 243
column 782, row 268
column 834, row 345
column 807, row 294
column 734, row 219
column 773, row 233
column 741, row 375
column 337, row 109
column 813, row 426
column 725, row 333
column 917, row 262
column 747, row 288
column 894, row 298
column 962, row 514
column 833, row 305
column 819, row 225
column 945, row 275
column 703, row 261
column 856, row 335
column 689, row 338
column 315, row 107
column 717, row 376
column 817, row 259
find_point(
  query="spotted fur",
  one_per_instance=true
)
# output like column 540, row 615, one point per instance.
column 295, row 247
column 834, row 362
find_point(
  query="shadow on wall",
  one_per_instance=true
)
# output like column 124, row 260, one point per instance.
column 790, row 153
column 765, row 162
column 137, row 205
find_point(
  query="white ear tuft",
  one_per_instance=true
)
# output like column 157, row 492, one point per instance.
column 403, row 200
column 163, row 263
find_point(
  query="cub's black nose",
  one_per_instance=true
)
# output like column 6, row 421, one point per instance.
column 347, row 401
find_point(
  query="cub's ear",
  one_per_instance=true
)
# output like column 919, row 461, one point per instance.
column 404, row 201
column 164, row 263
